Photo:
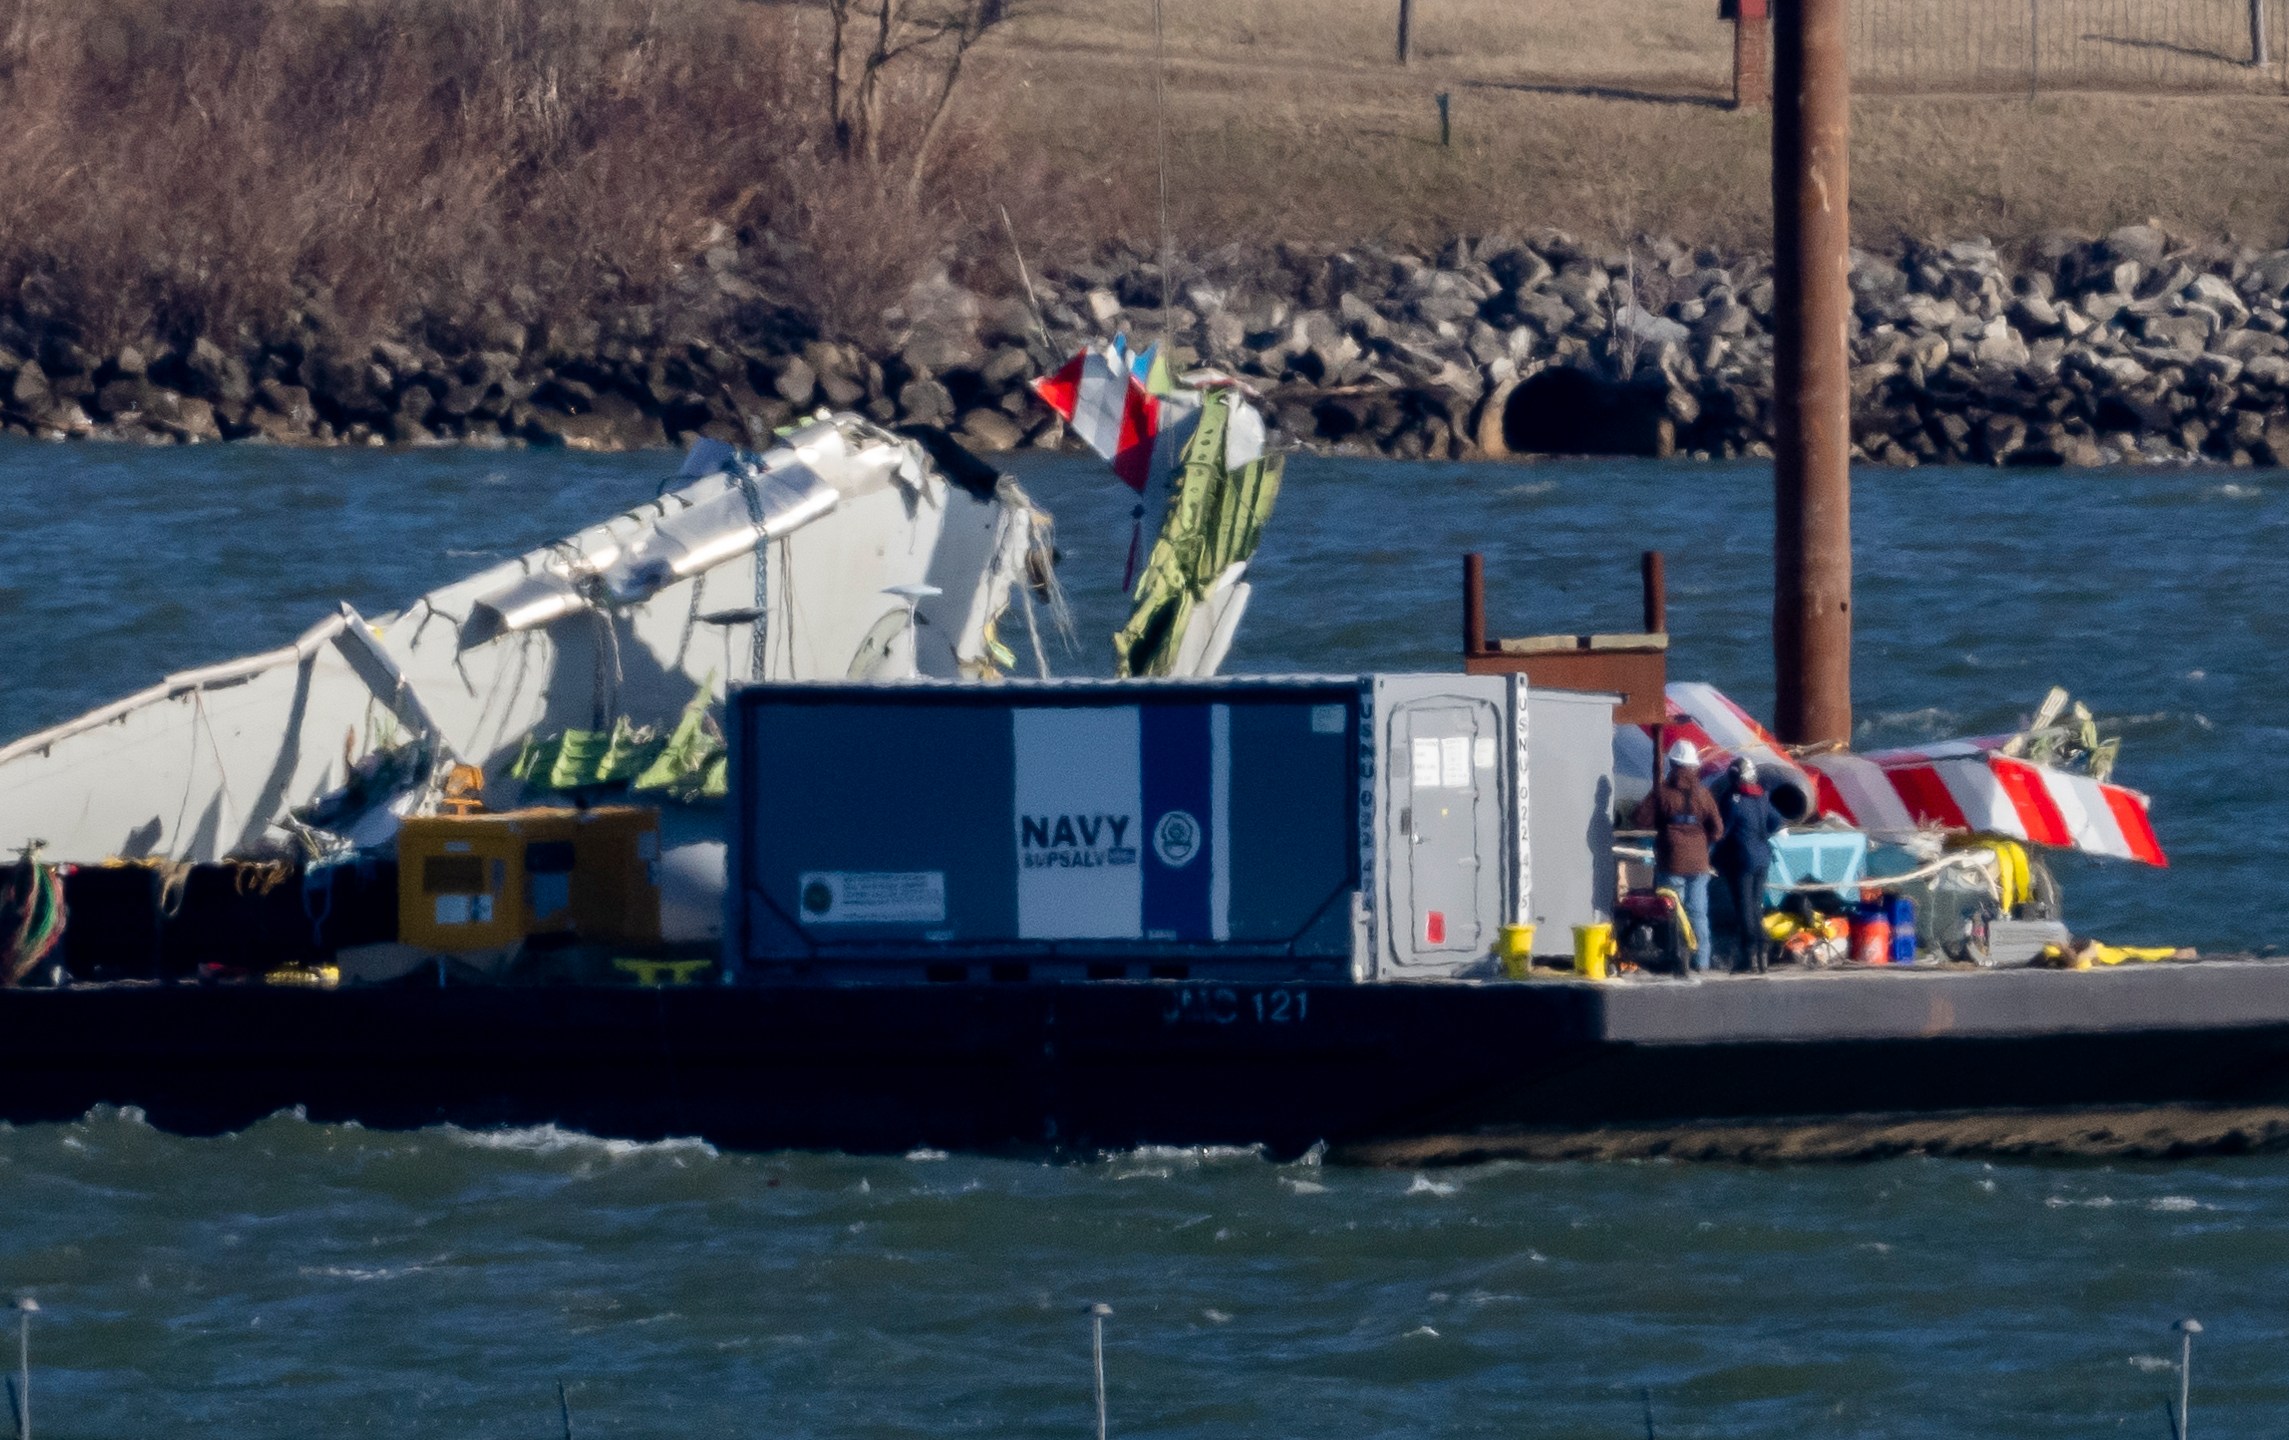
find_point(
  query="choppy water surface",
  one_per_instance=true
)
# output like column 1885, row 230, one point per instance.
column 301, row 1279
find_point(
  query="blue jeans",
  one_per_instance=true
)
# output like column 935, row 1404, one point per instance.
column 1694, row 891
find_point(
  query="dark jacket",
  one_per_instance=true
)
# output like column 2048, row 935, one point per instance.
column 1750, row 824
column 1683, row 818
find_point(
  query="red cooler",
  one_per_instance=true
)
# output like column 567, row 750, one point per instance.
column 1871, row 936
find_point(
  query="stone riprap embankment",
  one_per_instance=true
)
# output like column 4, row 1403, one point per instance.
column 2070, row 351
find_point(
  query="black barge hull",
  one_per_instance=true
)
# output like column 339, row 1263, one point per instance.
column 1084, row 1067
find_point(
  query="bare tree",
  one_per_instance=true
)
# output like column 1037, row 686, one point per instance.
column 875, row 45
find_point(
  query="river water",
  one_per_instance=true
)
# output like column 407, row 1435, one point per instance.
column 300, row 1279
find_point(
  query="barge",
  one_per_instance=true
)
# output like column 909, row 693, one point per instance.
column 728, row 818
column 1412, row 1071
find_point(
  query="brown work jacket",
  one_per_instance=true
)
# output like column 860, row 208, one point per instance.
column 1683, row 817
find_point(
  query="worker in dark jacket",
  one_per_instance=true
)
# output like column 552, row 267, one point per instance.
column 1686, row 826
column 1743, row 857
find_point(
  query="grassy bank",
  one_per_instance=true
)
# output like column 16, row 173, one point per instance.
column 1292, row 120
column 229, row 168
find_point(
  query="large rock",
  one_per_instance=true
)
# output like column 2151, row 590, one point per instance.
column 2142, row 244
column 2272, row 371
column 1363, row 319
column 2276, row 442
column 2185, row 334
column 461, row 398
column 290, row 402
column 2218, row 293
column 2035, row 315
column 1999, row 345
column 941, row 326
column 989, row 431
column 611, row 422
column 217, row 375
column 1547, row 313
column 1005, row 367
column 2267, row 275
column 2245, row 344
column 840, row 378
column 28, row 393
column 1649, row 329
column 189, row 419
column 1585, row 289
column 2001, row 436
column 925, row 402
column 127, row 398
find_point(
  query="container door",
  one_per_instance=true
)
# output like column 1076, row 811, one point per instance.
column 1446, row 794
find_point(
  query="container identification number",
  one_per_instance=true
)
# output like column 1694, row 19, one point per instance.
column 1223, row 1005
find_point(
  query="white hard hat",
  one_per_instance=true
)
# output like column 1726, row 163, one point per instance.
column 1745, row 768
column 1685, row 753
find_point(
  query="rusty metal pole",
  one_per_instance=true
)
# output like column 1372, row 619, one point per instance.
column 1812, row 306
column 1473, row 603
column 1656, row 585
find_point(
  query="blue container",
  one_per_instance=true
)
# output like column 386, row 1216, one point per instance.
column 879, row 823
column 1836, row 858
column 1900, row 910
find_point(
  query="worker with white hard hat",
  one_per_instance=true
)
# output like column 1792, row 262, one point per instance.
column 1743, row 857
column 1686, row 827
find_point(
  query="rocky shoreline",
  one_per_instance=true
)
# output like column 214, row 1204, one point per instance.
column 2066, row 351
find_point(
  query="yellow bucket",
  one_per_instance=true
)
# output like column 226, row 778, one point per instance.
column 1516, row 950
column 1592, row 944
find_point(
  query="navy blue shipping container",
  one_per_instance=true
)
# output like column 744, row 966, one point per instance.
column 1027, row 821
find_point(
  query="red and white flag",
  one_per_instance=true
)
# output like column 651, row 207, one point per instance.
column 1109, row 408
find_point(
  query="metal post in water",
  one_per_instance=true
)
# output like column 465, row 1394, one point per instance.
column 1097, row 1314
column 2257, row 47
column 2187, row 1329
column 1473, row 603
column 25, row 1308
column 1406, row 23
column 1446, row 127
column 1812, row 306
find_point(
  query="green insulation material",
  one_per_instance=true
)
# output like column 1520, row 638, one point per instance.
column 1215, row 518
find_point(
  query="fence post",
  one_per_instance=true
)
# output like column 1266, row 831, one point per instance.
column 2257, row 48
column 2035, row 46
column 1406, row 19
column 1752, row 55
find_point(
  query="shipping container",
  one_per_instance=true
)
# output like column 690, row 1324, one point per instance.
column 1333, row 827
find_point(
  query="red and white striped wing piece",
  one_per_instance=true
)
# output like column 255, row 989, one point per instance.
column 1971, row 785
column 1708, row 717
column 1965, row 785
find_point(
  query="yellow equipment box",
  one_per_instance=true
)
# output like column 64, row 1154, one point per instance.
column 486, row 882
column 616, row 875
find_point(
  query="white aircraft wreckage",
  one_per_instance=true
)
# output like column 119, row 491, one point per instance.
column 845, row 551
column 592, row 672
